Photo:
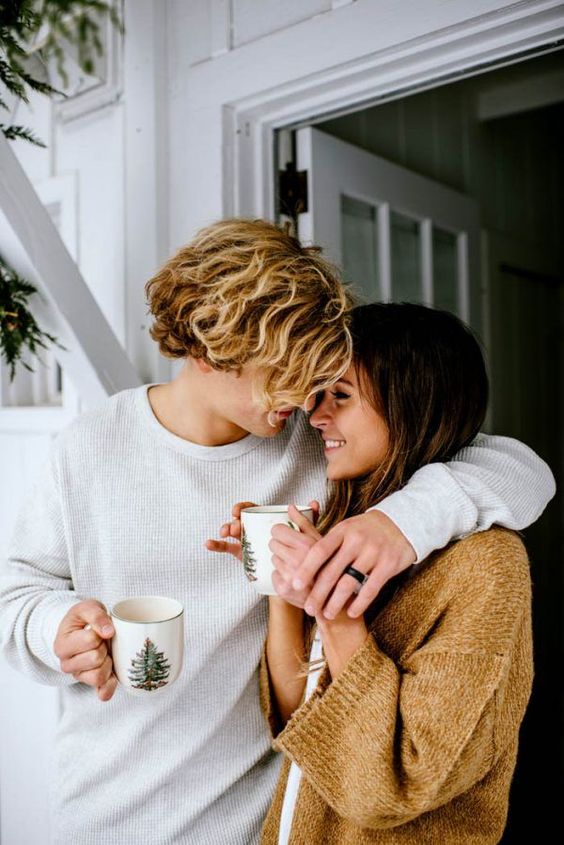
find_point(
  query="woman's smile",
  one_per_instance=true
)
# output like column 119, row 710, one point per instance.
column 331, row 445
column 355, row 435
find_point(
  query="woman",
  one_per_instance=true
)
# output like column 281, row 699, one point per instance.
column 410, row 732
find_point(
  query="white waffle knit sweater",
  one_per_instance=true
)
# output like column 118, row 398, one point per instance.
column 123, row 508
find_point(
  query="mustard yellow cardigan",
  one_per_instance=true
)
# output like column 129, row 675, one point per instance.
column 416, row 740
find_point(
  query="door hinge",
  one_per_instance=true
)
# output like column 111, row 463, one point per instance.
column 292, row 191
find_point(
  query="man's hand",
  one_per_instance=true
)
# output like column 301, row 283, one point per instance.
column 233, row 531
column 81, row 645
column 230, row 532
column 371, row 543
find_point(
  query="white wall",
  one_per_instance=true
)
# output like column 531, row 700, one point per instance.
column 27, row 710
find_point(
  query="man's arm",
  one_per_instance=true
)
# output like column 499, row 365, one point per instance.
column 495, row 480
column 38, row 604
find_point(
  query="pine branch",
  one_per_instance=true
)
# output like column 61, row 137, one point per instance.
column 9, row 76
column 12, row 132
column 18, row 328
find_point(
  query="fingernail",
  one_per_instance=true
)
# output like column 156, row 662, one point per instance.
column 107, row 630
column 309, row 609
column 297, row 584
column 328, row 615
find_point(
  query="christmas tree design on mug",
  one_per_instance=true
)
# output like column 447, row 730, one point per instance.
column 149, row 669
column 249, row 560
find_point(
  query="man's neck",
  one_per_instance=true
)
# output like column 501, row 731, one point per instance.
column 182, row 406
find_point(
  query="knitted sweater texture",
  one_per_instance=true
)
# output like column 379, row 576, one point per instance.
column 416, row 740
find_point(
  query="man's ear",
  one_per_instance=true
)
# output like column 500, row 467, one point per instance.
column 202, row 365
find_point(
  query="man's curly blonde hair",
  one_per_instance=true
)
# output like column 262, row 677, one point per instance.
column 247, row 292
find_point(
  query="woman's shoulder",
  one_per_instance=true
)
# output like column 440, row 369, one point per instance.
column 494, row 543
column 473, row 595
column 489, row 563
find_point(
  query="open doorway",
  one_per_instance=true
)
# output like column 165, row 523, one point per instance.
column 492, row 142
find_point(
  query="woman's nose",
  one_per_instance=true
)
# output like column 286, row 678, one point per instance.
column 321, row 415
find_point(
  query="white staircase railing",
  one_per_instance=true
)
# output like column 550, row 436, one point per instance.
column 93, row 358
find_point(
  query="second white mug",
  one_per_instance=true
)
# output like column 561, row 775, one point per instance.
column 256, row 525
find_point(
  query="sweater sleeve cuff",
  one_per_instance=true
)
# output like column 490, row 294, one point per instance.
column 431, row 510
column 330, row 712
column 43, row 625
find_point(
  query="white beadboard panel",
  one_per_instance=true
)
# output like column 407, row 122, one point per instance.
column 92, row 146
column 254, row 19
column 194, row 34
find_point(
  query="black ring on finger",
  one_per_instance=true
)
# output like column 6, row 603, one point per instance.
column 358, row 576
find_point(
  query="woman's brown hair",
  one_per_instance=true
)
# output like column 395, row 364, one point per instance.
column 421, row 369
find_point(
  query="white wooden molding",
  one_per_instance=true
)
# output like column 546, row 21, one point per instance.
column 86, row 94
column 492, row 39
column 221, row 13
column 145, row 166
column 94, row 360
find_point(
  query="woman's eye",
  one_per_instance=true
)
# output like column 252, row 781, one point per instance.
column 339, row 394
column 317, row 401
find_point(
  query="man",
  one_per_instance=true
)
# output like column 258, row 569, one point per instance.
column 128, row 500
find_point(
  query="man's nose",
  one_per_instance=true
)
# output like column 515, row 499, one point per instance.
column 309, row 404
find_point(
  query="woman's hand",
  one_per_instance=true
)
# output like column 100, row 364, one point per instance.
column 341, row 638
column 372, row 544
column 231, row 530
column 289, row 549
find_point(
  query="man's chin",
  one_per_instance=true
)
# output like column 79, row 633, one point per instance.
column 267, row 430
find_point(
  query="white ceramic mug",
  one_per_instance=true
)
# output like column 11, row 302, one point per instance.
column 256, row 525
column 148, row 645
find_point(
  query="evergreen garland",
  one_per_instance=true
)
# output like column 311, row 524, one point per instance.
column 18, row 327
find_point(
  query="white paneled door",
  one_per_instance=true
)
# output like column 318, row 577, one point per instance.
column 397, row 235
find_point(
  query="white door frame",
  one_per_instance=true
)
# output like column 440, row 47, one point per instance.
column 496, row 38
